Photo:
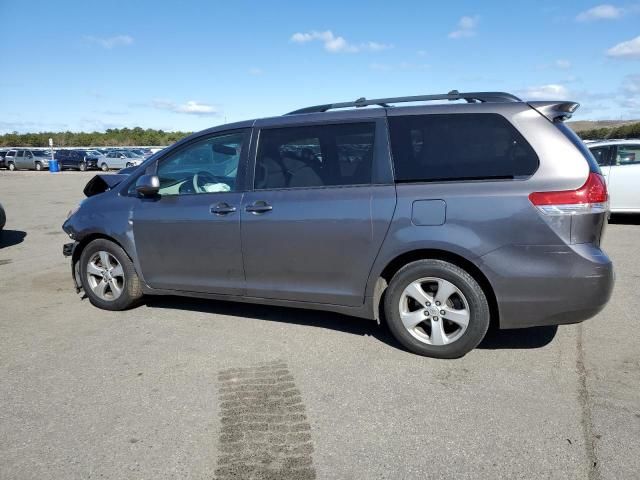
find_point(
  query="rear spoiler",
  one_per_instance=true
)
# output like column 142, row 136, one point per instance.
column 102, row 183
column 555, row 111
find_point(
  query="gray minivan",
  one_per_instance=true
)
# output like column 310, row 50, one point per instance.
column 438, row 218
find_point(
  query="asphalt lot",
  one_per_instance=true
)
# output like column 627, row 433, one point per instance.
column 176, row 388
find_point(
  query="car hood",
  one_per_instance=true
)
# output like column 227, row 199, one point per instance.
column 102, row 183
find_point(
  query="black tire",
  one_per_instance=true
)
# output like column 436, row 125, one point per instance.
column 11, row 166
column 479, row 318
column 104, row 167
column 128, row 165
column 38, row 166
column 82, row 166
column 132, row 289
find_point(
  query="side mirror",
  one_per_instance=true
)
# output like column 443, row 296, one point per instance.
column 148, row 185
column 122, row 156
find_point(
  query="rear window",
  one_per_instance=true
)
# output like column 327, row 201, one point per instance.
column 580, row 145
column 465, row 146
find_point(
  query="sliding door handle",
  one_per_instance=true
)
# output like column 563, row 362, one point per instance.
column 259, row 207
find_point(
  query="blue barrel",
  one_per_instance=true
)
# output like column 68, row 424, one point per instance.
column 54, row 166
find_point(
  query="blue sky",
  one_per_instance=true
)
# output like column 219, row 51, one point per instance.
column 189, row 65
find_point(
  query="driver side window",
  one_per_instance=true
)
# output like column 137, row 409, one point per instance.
column 206, row 166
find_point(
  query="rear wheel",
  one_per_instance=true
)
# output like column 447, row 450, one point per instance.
column 11, row 166
column 108, row 276
column 436, row 309
column 38, row 166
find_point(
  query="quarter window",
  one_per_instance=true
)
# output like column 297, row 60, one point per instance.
column 315, row 156
column 206, row 166
column 458, row 147
column 628, row 155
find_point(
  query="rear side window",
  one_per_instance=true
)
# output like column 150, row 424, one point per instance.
column 601, row 154
column 473, row 146
column 315, row 156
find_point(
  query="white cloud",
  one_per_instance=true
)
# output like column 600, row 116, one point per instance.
column 563, row 64
column 628, row 49
column 191, row 107
column 255, row 71
column 545, row 92
column 337, row 44
column 631, row 84
column 600, row 12
column 110, row 42
column 466, row 27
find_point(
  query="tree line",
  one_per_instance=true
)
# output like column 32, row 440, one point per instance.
column 110, row 137
column 140, row 136
column 631, row 130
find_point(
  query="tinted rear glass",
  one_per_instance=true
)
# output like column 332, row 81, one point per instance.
column 471, row 146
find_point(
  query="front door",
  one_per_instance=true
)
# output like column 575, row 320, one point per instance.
column 314, row 223
column 188, row 238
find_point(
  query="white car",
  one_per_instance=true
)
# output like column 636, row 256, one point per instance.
column 117, row 159
column 619, row 161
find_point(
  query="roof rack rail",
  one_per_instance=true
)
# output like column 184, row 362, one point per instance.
column 469, row 97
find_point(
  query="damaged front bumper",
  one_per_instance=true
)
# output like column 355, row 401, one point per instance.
column 68, row 250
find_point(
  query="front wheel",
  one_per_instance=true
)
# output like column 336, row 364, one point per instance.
column 11, row 166
column 129, row 164
column 436, row 309
column 108, row 276
column 38, row 166
column 104, row 167
column 82, row 166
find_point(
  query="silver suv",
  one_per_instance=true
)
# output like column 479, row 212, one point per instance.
column 22, row 158
column 438, row 218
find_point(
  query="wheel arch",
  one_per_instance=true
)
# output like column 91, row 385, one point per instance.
column 86, row 240
column 394, row 265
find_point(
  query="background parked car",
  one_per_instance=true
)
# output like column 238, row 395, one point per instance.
column 3, row 154
column 77, row 159
column 21, row 158
column 117, row 159
column 619, row 161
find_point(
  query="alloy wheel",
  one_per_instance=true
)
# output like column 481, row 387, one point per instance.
column 434, row 311
column 105, row 276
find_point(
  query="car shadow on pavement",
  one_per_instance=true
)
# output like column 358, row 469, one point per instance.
column 525, row 338
column 9, row 238
column 519, row 339
column 624, row 219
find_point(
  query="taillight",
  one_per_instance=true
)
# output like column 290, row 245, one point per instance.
column 592, row 197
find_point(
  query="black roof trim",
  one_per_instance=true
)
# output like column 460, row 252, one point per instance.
column 470, row 97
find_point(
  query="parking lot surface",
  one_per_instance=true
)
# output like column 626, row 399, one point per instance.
column 184, row 388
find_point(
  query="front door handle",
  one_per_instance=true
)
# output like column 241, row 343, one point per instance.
column 259, row 207
column 223, row 209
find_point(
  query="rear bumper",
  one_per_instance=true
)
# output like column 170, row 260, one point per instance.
column 548, row 285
